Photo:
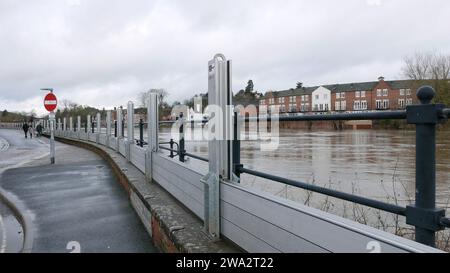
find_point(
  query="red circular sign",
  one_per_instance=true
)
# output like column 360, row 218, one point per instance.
column 50, row 102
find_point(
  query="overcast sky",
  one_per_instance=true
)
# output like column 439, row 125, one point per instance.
column 104, row 52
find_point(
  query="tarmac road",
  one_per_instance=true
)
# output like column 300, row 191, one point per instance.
column 77, row 205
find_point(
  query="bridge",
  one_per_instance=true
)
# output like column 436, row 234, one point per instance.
column 204, row 208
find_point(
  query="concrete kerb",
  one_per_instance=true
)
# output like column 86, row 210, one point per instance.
column 172, row 227
column 19, row 211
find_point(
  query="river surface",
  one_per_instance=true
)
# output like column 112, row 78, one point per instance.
column 378, row 164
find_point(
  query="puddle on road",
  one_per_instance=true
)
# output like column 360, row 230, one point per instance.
column 11, row 232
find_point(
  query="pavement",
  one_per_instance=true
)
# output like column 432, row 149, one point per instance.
column 76, row 205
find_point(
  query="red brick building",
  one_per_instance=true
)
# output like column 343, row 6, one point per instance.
column 350, row 97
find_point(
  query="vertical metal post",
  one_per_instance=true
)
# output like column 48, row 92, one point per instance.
column 71, row 124
column 119, row 128
column 236, row 145
column 141, row 133
column 52, row 137
column 130, row 129
column 115, row 128
column 219, row 145
column 108, row 127
column 424, row 215
column 88, row 124
column 79, row 126
column 171, row 147
column 152, row 133
column 181, row 147
column 99, row 127
column 64, row 125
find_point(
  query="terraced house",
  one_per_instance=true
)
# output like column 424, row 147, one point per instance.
column 378, row 95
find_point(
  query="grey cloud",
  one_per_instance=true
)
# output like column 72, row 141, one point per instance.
column 103, row 53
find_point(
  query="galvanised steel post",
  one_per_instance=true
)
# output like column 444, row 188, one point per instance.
column 424, row 215
column 152, row 133
column 71, row 124
column 88, row 124
column 182, row 150
column 108, row 127
column 130, row 128
column 99, row 128
column 119, row 128
column 79, row 125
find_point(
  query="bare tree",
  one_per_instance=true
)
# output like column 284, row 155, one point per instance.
column 430, row 68
column 143, row 96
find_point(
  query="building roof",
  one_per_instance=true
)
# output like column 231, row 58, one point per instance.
column 335, row 88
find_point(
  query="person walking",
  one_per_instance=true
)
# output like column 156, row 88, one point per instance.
column 31, row 130
column 25, row 128
column 39, row 130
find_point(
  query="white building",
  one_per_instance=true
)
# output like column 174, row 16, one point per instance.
column 321, row 99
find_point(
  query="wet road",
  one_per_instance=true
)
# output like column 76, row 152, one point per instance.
column 76, row 204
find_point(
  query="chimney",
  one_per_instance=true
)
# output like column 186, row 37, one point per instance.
column 381, row 78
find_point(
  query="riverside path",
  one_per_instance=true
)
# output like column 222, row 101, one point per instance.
column 76, row 205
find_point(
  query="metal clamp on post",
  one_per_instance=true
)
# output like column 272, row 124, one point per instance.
column 424, row 215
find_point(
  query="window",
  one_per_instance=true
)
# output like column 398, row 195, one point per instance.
column 402, row 92
column 292, row 107
column 401, row 103
column 385, row 104
column 262, row 102
column 338, row 95
column 282, row 109
column 363, row 94
column 409, row 101
column 305, row 98
column 363, row 105
column 337, row 106
column 343, row 105
column 356, row 105
column 357, row 94
column 378, row 92
column 378, row 104
column 317, row 97
column 327, row 107
column 321, row 107
column 281, row 100
column 342, row 95
column 292, row 99
column 325, row 96
column 408, row 92
column 271, row 101
column 304, row 107
column 385, row 93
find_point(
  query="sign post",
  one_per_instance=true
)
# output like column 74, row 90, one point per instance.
column 50, row 103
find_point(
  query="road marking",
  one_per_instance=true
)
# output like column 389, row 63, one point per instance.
column 2, row 228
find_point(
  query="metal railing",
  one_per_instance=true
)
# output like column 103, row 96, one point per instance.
column 424, row 215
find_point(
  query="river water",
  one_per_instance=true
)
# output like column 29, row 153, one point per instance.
column 378, row 164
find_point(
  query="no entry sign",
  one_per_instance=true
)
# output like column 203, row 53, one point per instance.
column 50, row 102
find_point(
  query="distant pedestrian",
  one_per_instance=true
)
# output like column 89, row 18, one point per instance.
column 39, row 130
column 25, row 128
column 31, row 130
